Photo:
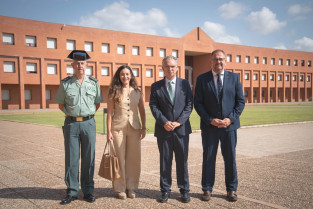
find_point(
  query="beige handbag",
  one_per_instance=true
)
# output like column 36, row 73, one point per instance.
column 109, row 167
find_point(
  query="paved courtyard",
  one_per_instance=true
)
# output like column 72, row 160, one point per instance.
column 275, row 170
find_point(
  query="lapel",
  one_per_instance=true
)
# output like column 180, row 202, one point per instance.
column 165, row 92
column 178, row 87
column 225, row 81
column 211, row 83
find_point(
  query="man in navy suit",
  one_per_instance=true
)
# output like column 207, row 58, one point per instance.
column 171, row 104
column 219, row 102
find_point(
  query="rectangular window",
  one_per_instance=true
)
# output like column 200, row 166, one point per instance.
column 287, row 77
column 280, row 62
column 309, row 63
column 256, row 60
column 105, row 48
column 246, row 76
column 149, row 73
column 273, row 61
column 263, row 93
column 264, row 61
column 52, row 69
column 5, row 95
column 135, row 50
column 246, row 93
column 70, row 45
column 247, row 59
column 31, row 41
column 51, row 43
column 302, row 63
column 263, row 77
column 88, row 46
column 271, row 77
column 308, row 78
column 8, row 38
column 162, row 52
column 149, row 52
column 27, row 94
column 294, row 77
column 161, row 73
column 8, row 67
column 48, row 94
column 254, row 93
column 238, row 58
column 31, row 68
column 279, row 77
column 229, row 58
column 301, row 77
column 136, row 72
column 288, row 62
column 120, row 49
column 105, row 71
column 295, row 62
column 69, row 70
column 88, row 71
column 255, row 77
column 175, row 53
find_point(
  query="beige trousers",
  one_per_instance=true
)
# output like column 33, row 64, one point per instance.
column 128, row 150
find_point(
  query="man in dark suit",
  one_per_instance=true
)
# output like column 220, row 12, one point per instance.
column 171, row 104
column 219, row 102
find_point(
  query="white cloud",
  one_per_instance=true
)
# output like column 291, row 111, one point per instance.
column 298, row 9
column 171, row 33
column 117, row 16
column 264, row 21
column 232, row 10
column 218, row 33
column 304, row 44
column 280, row 46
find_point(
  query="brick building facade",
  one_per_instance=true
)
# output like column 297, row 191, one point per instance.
column 33, row 62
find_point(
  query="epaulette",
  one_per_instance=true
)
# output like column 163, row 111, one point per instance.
column 92, row 78
column 66, row 79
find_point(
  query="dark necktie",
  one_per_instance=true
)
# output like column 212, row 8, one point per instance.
column 219, row 85
column 170, row 91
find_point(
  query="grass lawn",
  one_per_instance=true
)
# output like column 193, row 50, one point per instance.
column 252, row 115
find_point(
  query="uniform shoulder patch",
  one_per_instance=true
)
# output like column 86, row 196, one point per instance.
column 93, row 79
column 66, row 79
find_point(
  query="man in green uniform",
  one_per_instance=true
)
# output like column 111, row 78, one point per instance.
column 79, row 97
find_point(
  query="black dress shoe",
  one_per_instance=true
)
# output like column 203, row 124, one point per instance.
column 231, row 196
column 164, row 197
column 68, row 199
column 185, row 197
column 89, row 198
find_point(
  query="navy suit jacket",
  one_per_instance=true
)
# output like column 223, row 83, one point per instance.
column 208, row 106
column 163, row 110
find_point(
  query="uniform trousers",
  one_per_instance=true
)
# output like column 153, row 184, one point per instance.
column 79, row 136
column 128, row 149
column 210, row 141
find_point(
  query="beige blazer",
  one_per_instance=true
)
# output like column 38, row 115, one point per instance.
column 127, row 111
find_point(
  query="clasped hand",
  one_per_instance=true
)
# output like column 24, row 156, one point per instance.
column 221, row 123
column 170, row 126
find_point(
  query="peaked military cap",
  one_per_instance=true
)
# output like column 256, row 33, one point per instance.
column 79, row 55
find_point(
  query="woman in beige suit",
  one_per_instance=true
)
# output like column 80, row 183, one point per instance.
column 124, row 128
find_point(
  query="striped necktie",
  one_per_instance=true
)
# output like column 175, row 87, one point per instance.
column 170, row 90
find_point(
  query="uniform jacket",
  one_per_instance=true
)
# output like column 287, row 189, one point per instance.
column 163, row 110
column 208, row 106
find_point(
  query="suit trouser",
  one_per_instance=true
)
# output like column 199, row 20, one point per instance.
column 79, row 135
column 210, row 141
column 166, row 147
column 128, row 150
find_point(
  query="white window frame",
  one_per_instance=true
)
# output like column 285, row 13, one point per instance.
column 5, row 94
column 135, row 50
column 70, row 44
column 280, row 61
column 105, row 71
column 51, row 43
column 308, row 78
column 30, row 41
column 8, row 38
column 247, row 59
column 286, row 77
column 264, row 61
column 69, row 70
column 256, row 60
column 255, row 76
column 175, row 53
column 229, row 58
column 8, row 67
column 149, row 73
column 271, row 77
column 31, row 67
column 279, row 77
column 89, row 70
column 162, row 52
column 288, row 62
column 161, row 73
column 51, row 69
column 272, row 61
column 263, row 77
column 88, row 46
column 238, row 59
column 149, row 51
column 246, row 76
column 120, row 49
column 136, row 72
column 105, row 48
column 294, row 77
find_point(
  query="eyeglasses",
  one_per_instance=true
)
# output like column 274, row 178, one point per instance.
column 218, row 59
column 170, row 66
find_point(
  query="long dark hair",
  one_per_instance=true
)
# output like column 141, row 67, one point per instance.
column 116, row 86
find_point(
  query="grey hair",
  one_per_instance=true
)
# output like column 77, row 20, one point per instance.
column 217, row 50
column 169, row 58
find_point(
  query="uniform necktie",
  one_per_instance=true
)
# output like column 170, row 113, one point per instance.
column 219, row 85
column 170, row 91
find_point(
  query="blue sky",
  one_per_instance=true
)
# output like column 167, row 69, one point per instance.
column 282, row 24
